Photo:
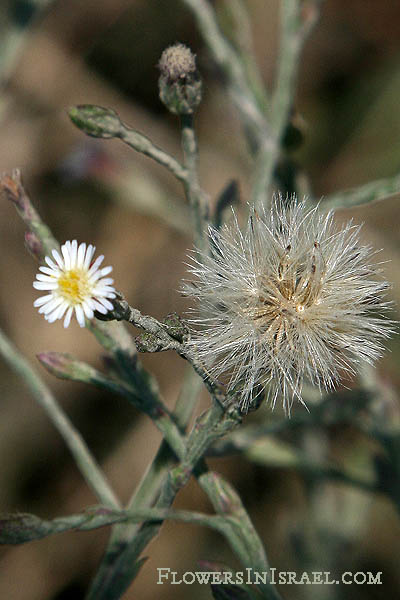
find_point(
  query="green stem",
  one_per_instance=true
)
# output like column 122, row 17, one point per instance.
column 84, row 459
column 126, row 541
column 144, row 145
column 119, row 564
column 240, row 531
column 15, row 192
column 197, row 199
column 241, row 32
column 137, row 385
column 294, row 32
column 230, row 64
column 364, row 194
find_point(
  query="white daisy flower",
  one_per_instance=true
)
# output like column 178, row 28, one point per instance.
column 75, row 284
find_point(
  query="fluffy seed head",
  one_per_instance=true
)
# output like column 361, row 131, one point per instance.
column 75, row 284
column 293, row 298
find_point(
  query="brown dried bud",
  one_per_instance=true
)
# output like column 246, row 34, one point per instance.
column 179, row 82
column 177, row 62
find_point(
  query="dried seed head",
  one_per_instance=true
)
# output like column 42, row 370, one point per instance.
column 293, row 298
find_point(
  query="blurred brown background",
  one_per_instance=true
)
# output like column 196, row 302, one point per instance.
column 105, row 52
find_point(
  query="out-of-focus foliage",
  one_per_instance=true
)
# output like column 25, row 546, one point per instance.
column 105, row 52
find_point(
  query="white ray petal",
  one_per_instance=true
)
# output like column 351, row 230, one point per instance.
column 81, row 255
column 67, row 319
column 96, row 264
column 73, row 253
column 65, row 249
column 43, row 300
column 42, row 285
column 58, row 259
column 80, row 317
column 89, row 255
column 87, row 310
column 52, row 272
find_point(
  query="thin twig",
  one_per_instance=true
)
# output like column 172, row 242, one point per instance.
column 294, row 32
column 163, row 340
column 242, row 35
column 230, row 64
column 364, row 194
column 105, row 123
column 197, row 199
column 144, row 145
column 148, row 489
column 12, row 186
column 84, row 459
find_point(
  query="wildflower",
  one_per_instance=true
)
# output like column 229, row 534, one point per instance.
column 293, row 298
column 74, row 283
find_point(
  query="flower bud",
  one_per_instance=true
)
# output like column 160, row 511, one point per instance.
column 65, row 366
column 96, row 121
column 34, row 245
column 179, row 82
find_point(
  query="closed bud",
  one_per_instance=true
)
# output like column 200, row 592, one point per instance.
column 34, row 245
column 179, row 82
column 65, row 366
column 96, row 121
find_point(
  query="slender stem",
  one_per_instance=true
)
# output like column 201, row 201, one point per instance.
column 197, row 199
column 191, row 386
column 143, row 144
column 241, row 32
column 230, row 64
column 137, row 385
column 294, row 32
column 15, row 192
column 118, row 566
column 14, row 35
column 165, row 338
column 84, row 459
column 150, row 484
column 364, row 194
column 126, row 541
column 242, row 535
column 23, row 527
column 291, row 40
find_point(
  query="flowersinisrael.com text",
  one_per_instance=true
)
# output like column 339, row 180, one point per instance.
column 250, row 577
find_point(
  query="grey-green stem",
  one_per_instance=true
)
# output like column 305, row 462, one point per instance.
column 82, row 455
column 197, row 199
column 229, row 62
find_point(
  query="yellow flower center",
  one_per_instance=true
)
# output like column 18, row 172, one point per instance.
column 74, row 286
